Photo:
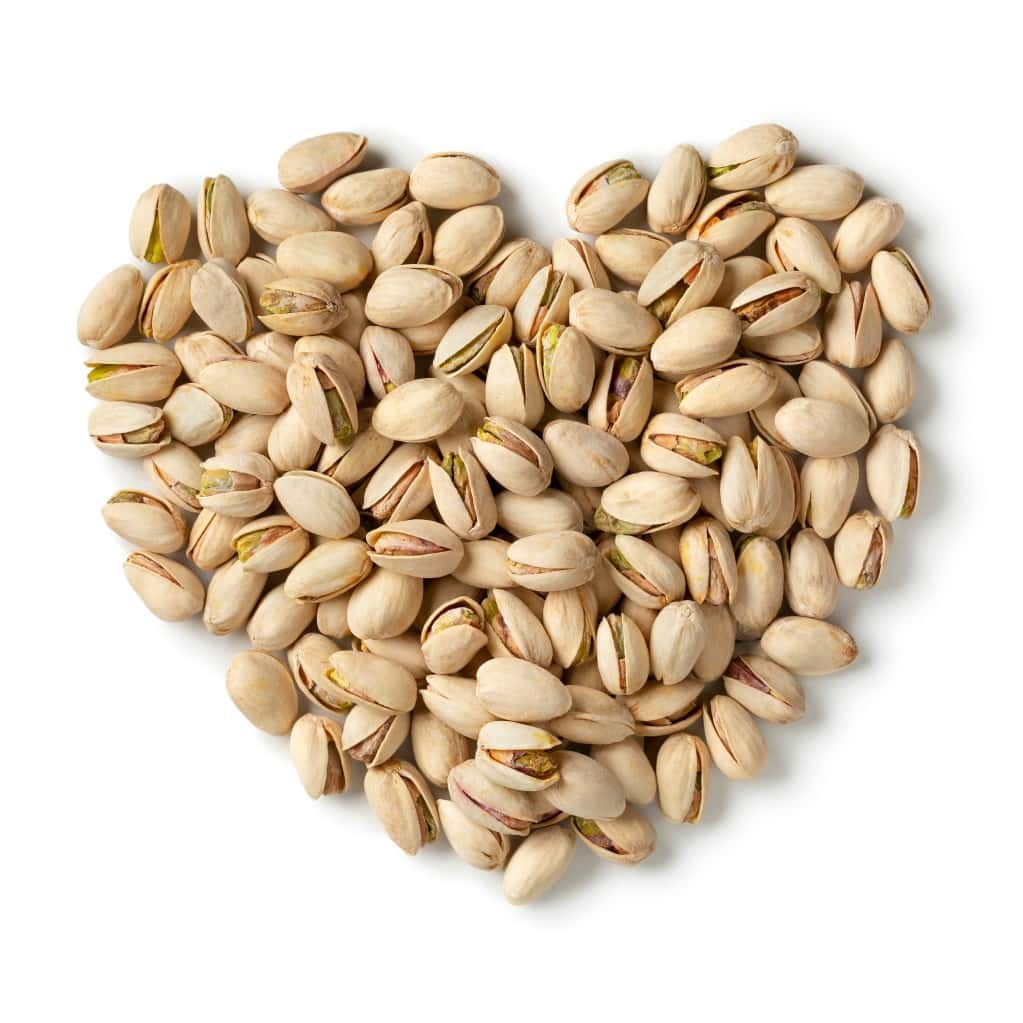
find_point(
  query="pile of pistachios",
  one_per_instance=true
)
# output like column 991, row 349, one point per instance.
column 506, row 523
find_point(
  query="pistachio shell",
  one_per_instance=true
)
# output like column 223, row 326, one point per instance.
column 816, row 192
column 365, row 197
column 261, row 688
column 453, row 181
column 313, row 163
column 468, row 238
column 807, row 646
column 335, row 257
column 677, row 191
column 275, row 214
column 109, row 310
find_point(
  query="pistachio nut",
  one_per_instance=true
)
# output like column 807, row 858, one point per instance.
column 171, row 591
column 816, row 192
column 222, row 225
column 570, row 619
column 719, row 645
column 354, row 321
column 889, row 383
column 309, row 660
column 492, row 806
column 160, row 222
column 210, row 539
column 245, row 432
column 512, row 389
column 732, row 222
column 677, row 638
column 760, row 576
column 109, row 310
column 872, row 226
column 237, row 483
column 278, row 620
column 198, row 350
column 733, row 738
column 827, row 382
column 517, row 756
column 628, row 762
column 372, row 681
column 796, row 244
column 373, row 736
column 338, row 258
column 827, row 488
column 418, row 411
column 513, row 455
column 750, row 485
column 245, row 384
column 776, row 303
column 537, row 865
column 861, row 550
column 270, row 544
column 642, row 572
column 316, row 752
column 258, row 271
column 261, row 688
column 577, row 260
column 736, row 386
column 384, row 604
column 552, row 561
column 417, row 547
column 852, row 326
column 176, row 472
column 513, row 630
column 194, row 417
column 765, row 689
column 467, row 239
column 474, row 844
column 544, row 301
column 300, row 306
column 646, row 502
column 485, row 564
column 677, row 191
column 820, row 428
column 502, row 278
column 453, row 700
column 901, row 292
column 437, row 747
column 404, row 236
column 472, row 339
column 328, row 570
column 453, row 181
column 622, row 656
column 332, row 617
column 585, row 788
column 629, row 838
column 893, row 472
column 453, row 635
column 404, row 649
column 683, row 279
column 683, row 771
column 739, row 273
column 595, row 718
column 411, row 295
column 811, row 582
column 604, row 195
column 136, row 371
column 366, row 197
column 520, row 691
column 291, row 444
column 629, row 253
column 400, row 484
column 613, row 321
column 658, row 709
column 128, row 430
column 145, row 520
column 318, row 503
column 808, row 646
column 708, row 561
column 387, row 358
column 792, row 347
column 696, row 341
column 231, row 597
column 275, row 214
column 583, row 455
column 681, row 446
column 565, row 366
column 622, row 396
column 313, row 163
column 403, row 803
column 462, row 495
column 551, row 511
column 752, row 157
column 323, row 397
column 166, row 303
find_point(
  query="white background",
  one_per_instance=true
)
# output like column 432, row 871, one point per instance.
column 159, row 860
